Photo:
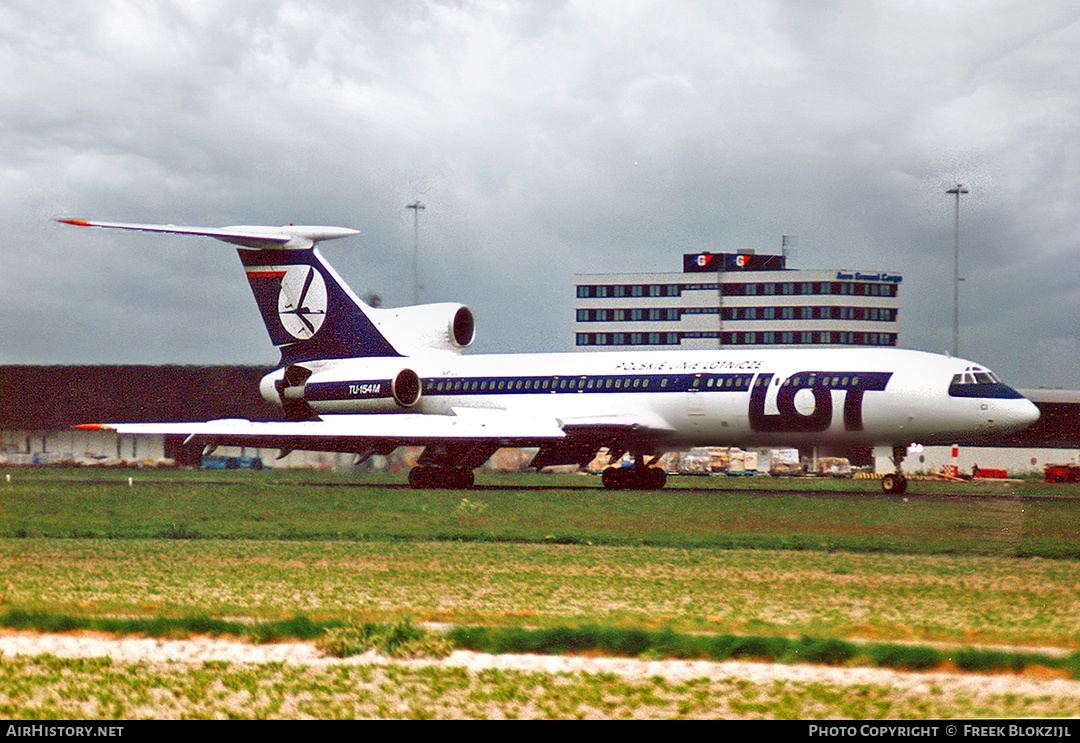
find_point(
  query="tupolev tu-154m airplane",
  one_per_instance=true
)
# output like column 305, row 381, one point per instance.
column 354, row 378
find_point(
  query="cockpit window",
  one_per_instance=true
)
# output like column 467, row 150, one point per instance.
column 977, row 382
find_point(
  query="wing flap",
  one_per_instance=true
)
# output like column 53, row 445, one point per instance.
column 639, row 421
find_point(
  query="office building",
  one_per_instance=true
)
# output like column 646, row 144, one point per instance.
column 737, row 300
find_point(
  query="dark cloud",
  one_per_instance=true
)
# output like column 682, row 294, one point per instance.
column 545, row 139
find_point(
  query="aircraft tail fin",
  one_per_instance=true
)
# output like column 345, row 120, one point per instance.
column 309, row 311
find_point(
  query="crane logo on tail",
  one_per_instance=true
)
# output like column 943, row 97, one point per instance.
column 301, row 301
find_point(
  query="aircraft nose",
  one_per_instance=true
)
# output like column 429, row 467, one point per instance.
column 1020, row 414
column 1030, row 414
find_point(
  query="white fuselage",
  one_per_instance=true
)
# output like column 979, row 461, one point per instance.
column 745, row 398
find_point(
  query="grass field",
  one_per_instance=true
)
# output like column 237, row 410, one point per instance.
column 940, row 564
column 849, row 595
column 1017, row 519
column 987, row 563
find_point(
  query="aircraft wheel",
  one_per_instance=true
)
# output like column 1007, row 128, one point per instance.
column 655, row 478
column 418, row 477
column 461, row 478
column 894, row 484
column 633, row 478
column 424, row 477
column 613, row 478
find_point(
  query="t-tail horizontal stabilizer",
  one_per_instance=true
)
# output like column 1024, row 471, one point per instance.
column 290, row 237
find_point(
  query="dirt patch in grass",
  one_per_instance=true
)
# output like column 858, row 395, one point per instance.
column 201, row 677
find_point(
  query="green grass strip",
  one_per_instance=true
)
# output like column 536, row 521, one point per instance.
column 668, row 644
column 261, row 632
column 632, row 643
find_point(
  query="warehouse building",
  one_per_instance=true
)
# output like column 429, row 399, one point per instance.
column 737, row 300
column 41, row 405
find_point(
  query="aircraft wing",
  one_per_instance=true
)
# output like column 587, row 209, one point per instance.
column 350, row 432
column 561, row 441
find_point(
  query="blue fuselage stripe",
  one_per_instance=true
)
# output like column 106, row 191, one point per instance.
column 531, row 385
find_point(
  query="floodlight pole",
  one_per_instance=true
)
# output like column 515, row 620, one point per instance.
column 956, row 191
column 416, row 206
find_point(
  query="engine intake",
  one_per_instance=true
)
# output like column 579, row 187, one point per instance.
column 463, row 327
column 445, row 326
column 405, row 388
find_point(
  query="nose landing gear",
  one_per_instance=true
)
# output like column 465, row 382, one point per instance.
column 895, row 483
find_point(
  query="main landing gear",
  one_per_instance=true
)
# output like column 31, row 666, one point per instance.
column 450, row 464
column 634, row 478
column 431, row 476
column 895, row 483
column 642, row 476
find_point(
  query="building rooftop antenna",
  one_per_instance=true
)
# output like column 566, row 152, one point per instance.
column 787, row 245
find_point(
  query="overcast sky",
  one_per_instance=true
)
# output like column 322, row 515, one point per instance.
column 545, row 139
